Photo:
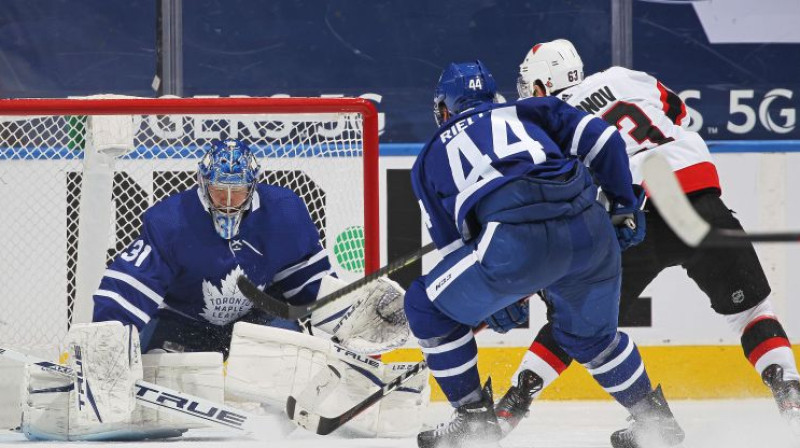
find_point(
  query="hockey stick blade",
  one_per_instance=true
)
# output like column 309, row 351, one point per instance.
column 326, row 425
column 665, row 191
column 279, row 308
column 314, row 422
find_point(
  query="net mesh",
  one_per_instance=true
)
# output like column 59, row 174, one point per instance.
column 318, row 156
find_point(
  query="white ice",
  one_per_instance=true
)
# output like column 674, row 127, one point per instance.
column 751, row 423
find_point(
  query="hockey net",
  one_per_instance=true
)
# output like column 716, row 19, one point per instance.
column 77, row 174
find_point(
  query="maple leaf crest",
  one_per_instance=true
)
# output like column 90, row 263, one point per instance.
column 226, row 303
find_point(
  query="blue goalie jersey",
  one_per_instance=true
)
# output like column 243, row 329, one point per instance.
column 484, row 148
column 181, row 264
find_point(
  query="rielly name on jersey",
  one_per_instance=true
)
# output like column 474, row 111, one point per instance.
column 650, row 117
column 490, row 145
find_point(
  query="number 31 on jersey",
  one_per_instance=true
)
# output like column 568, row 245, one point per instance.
column 138, row 251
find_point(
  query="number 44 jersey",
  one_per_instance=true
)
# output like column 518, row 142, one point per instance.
column 650, row 118
column 482, row 149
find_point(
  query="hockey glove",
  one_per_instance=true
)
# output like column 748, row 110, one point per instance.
column 509, row 317
column 629, row 222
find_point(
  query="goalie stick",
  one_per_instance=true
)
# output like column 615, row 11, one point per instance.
column 279, row 308
column 665, row 191
column 159, row 397
column 322, row 425
column 319, row 424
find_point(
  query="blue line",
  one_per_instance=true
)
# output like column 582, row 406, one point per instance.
column 401, row 149
column 753, row 146
column 715, row 146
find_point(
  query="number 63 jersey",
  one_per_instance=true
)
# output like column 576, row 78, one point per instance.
column 482, row 149
column 651, row 118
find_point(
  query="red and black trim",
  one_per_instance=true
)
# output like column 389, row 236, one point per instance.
column 762, row 335
column 699, row 176
column 671, row 104
column 546, row 348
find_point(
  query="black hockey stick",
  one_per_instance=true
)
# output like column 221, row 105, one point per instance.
column 326, row 425
column 279, row 308
column 664, row 189
column 321, row 425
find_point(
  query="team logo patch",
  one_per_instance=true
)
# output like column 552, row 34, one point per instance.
column 226, row 303
column 737, row 296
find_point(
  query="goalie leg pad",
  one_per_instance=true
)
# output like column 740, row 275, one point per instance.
column 271, row 364
column 401, row 412
column 99, row 401
column 268, row 364
column 200, row 374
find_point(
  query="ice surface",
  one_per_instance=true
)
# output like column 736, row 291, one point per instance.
column 552, row 424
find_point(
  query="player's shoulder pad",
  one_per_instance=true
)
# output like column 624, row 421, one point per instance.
column 538, row 108
column 622, row 73
column 274, row 198
column 269, row 193
column 167, row 212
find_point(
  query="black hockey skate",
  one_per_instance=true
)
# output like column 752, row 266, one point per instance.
column 473, row 425
column 787, row 396
column 516, row 403
column 653, row 425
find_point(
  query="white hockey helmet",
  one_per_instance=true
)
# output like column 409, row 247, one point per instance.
column 556, row 65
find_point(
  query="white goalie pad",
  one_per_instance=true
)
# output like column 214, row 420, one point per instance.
column 375, row 321
column 99, row 399
column 269, row 364
column 200, row 374
column 51, row 413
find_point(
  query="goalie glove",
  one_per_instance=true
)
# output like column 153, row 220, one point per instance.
column 374, row 322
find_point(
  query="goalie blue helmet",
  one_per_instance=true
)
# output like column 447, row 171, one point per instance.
column 227, row 176
column 462, row 86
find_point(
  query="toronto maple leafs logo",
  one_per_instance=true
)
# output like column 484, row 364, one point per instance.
column 226, row 303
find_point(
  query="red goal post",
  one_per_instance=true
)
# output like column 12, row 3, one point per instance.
column 63, row 177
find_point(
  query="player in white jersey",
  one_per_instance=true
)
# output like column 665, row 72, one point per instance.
column 652, row 118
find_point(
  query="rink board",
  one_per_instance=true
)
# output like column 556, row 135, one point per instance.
column 685, row 372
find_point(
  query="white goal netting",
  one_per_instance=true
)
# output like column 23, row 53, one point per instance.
column 70, row 203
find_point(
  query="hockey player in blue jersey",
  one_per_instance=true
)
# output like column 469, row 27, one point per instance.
column 511, row 205
column 177, row 281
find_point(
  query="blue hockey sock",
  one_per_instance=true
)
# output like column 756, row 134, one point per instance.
column 453, row 361
column 620, row 371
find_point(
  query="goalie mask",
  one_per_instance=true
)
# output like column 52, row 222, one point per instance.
column 555, row 65
column 227, row 178
column 462, row 86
